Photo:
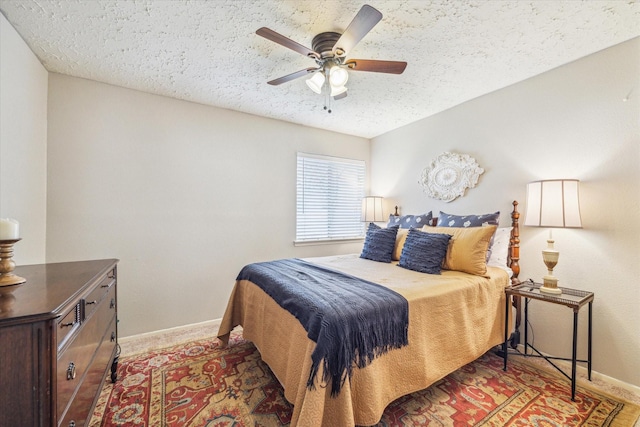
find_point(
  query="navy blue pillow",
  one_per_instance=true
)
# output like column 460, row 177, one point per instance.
column 410, row 221
column 447, row 220
column 424, row 252
column 379, row 243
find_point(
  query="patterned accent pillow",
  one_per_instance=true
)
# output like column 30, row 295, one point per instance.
column 379, row 243
column 410, row 221
column 448, row 220
column 424, row 252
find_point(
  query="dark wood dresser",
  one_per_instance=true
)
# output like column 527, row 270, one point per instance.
column 58, row 340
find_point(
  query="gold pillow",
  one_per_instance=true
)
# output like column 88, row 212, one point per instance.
column 401, row 237
column 467, row 250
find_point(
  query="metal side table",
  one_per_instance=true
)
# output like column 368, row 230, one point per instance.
column 572, row 298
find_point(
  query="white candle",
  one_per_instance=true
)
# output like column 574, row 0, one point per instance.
column 9, row 229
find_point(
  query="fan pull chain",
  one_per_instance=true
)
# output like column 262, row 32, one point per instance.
column 327, row 103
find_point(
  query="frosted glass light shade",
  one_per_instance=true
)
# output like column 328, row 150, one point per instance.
column 553, row 203
column 315, row 82
column 337, row 90
column 338, row 76
column 372, row 209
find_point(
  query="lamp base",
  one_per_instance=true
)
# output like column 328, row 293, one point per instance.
column 550, row 285
column 546, row 290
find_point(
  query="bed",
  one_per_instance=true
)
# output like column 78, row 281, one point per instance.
column 453, row 318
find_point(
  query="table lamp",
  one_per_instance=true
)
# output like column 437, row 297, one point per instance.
column 552, row 204
column 372, row 209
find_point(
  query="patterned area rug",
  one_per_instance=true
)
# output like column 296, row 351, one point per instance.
column 201, row 384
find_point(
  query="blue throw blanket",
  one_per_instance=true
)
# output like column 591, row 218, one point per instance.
column 351, row 320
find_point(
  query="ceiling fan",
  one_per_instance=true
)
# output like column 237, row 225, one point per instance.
column 329, row 50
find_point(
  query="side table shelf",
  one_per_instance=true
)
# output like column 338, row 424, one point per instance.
column 572, row 298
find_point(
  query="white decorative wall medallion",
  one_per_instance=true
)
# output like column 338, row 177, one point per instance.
column 449, row 175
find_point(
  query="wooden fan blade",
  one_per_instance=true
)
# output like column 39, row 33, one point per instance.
column 292, row 76
column 390, row 67
column 363, row 22
column 286, row 42
column 342, row 95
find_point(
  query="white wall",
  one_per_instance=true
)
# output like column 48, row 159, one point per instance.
column 23, row 143
column 183, row 194
column 570, row 122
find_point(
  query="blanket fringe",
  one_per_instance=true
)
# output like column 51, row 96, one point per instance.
column 356, row 352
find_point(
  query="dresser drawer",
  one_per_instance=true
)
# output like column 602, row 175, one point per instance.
column 81, row 406
column 94, row 298
column 74, row 361
column 68, row 324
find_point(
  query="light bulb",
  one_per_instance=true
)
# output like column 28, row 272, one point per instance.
column 315, row 82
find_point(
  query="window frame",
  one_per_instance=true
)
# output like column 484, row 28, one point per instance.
column 355, row 166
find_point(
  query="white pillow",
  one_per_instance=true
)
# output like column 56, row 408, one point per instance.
column 500, row 248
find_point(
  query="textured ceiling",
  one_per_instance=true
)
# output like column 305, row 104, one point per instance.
column 208, row 52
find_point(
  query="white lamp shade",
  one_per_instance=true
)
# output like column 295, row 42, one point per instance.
column 372, row 209
column 337, row 90
column 315, row 82
column 338, row 76
column 553, row 203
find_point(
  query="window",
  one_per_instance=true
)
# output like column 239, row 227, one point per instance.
column 329, row 198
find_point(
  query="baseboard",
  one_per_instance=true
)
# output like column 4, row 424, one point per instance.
column 613, row 381
column 583, row 372
column 167, row 337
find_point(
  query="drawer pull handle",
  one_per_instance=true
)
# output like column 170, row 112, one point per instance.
column 71, row 371
column 64, row 325
column 91, row 302
column 113, row 336
column 113, row 303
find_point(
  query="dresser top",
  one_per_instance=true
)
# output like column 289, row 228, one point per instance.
column 51, row 287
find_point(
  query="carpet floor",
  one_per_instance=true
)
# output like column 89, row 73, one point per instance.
column 200, row 383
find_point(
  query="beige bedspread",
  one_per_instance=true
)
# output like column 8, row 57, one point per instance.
column 453, row 319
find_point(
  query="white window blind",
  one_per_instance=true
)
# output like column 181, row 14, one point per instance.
column 329, row 198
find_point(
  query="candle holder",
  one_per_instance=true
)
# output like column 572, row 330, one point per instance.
column 8, row 281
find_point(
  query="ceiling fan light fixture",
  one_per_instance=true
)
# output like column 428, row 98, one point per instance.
column 316, row 82
column 329, row 52
column 335, row 91
column 338, row 76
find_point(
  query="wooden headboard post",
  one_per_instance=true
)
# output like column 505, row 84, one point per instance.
column 514, row 243
column 513, row 261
